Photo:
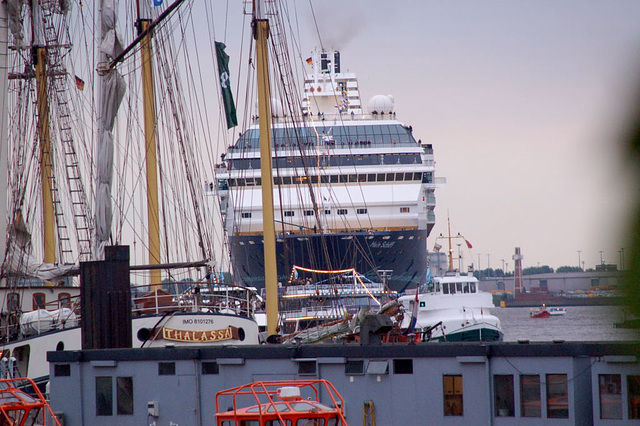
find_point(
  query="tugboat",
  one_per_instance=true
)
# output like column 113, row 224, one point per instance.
column 282, row 403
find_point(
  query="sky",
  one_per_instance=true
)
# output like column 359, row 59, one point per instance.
column 524, row 102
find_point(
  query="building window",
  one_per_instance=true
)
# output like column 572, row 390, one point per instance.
column 361, row 211
column 39, row 300
column 530, row 395
column 289, row 213
column 342, row 211
column 210, row 368
column 246, row 215
column 633, row 389
column 452, row 386
column 124, row 395
column 557, row 396
column 402, row 366
column 503, row 395
column 610, row 396
column 308, row 212
column 166, row 368
column 104, row 396
column 405, row 209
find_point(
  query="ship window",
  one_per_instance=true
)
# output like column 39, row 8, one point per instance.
column 417, row 176
column 380, row 177
column 13, row 301
column 452, row 387
column 459, row 287
column 354, row 368
column 240, row 182
column 362, row 178
column 64, row 300
column 466, row 287
column 246, row 215
column 286, row 180
column 166, row 368
column 307, row 368
column 327, row 212
column 371, row 177
column 557, row 396
column 277, row 180
column 530, row 395
column 445, row 288
column 210, row 367
column 39, row 300
column 314, row 179
column 250, row 181
column 610, row 396
column 405, row 209
column 333, row 178
column 62, row 370
column 104, row 396
column 402, row 366
column 342, row 211
column 503, row 395
column 343, row 178
column 308, row 212
column 361, row 211
column 473, row 287
column 124, row 395
column 289, row 213
column 268, row 423
column 633, row 387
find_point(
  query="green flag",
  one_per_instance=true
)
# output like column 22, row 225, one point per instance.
column 225, row 85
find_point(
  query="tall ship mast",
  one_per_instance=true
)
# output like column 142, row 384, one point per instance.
column 352, row 189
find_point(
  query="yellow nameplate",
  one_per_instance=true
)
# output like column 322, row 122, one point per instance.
column 200, row 336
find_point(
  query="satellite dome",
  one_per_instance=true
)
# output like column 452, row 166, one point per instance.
column 381, row 104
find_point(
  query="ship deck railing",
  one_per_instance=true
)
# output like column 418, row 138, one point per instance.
column 332, row 290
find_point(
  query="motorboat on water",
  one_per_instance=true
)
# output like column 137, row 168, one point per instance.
column 292, row 402
column 557, row 311
column 539, row 312
column 451, row 308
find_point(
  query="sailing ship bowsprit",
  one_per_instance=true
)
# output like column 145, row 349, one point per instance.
column 351, row 189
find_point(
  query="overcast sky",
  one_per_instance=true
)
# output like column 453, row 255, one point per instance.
column 524, row 103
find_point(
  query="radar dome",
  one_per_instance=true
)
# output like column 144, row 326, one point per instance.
column 381, row 104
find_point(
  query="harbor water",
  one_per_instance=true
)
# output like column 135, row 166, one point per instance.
column 580, row 323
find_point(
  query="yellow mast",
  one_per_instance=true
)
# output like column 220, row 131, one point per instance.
column 148, row 101
column 261, row 34
column 46, row 167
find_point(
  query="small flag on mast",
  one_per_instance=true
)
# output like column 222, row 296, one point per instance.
column 79, row 83
column 437, row 247
column 225, row 85
column 157, row 3
column 309, row 60
column 468, row 244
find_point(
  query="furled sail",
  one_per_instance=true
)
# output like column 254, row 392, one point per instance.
column 112, row 92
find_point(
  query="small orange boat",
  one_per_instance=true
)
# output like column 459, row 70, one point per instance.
column 18, row 408
column 281, row 403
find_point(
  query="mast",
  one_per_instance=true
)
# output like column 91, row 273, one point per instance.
column 261, row 34
column 148, row 100
column 450, row 248
column 46, row 167
column 4, row 134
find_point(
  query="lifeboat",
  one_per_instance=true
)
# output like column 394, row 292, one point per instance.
column 291, row 402
column 542, row 312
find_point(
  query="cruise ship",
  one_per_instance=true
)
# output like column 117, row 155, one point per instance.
column 352, row 189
